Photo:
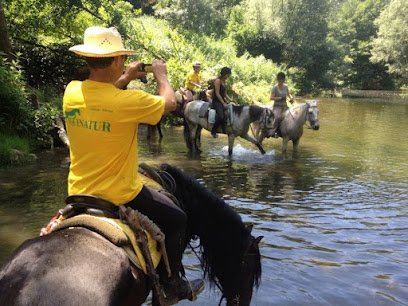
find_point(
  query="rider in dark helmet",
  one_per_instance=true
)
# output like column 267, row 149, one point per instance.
column 279, row 92
column 220, row 99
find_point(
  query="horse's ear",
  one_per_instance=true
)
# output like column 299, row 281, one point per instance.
column 258, row 239
column 249, row 227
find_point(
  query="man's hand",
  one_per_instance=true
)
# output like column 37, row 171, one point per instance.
column 159, row 70
column 134, row 71
column 165, row 90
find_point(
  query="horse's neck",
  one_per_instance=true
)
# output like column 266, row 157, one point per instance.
column 298, row 115
column 241, row 119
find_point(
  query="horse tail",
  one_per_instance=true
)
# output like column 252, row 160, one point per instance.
column 187, row 134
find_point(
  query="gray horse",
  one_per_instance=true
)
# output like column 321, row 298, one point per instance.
column 240, row 118
column 291, row 127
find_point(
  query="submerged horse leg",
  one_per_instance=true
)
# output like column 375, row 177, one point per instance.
column 285, row 141
column 295, row 145
column 193, row 137
column 251, row 140
column 231, row 139
column 198, row 139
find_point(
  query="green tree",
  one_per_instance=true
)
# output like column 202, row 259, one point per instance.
column 5, row 45
column 254, row 36
column 305, row 44
column 351, row 32
column 290, row 32
column 391, row 44
column 200, row 16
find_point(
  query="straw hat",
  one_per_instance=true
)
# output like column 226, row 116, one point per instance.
column 101, row 42
column 196, row 64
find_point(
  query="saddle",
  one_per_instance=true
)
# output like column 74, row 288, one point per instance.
column 121, row 226
column 204, row 112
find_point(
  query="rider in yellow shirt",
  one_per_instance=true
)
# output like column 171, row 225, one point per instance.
column 193, row 79
column 102, row 121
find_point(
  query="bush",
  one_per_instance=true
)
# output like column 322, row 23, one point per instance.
column 252, row 77
column 15, row 109
column 8, row 143
column 52, row 66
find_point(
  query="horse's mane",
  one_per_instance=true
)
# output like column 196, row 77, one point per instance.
column 301, row 105
column 217, row 224
column 255, row 111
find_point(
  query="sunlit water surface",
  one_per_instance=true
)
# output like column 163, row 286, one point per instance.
column 334, row 216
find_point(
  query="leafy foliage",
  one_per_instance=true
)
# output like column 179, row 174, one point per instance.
column 253, row 39
column 292, row 32
column 179, row 13
column 15, row 109
column 351, row 32
column 9, row 143
column 44, row 66
column 391, row 45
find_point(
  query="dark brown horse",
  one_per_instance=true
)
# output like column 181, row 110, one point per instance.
column 79, row 267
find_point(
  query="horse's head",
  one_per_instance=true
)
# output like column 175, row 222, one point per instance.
column 248, row 275
column 230, row 254
column 312, row 115
column 201, row 95
column 266, row 122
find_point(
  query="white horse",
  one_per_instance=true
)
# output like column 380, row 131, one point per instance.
column 291, row 126
column 240, row 118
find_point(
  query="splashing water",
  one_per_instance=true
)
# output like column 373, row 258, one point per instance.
column 243, row 154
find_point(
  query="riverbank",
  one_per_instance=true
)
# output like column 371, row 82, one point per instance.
column 377, row 94
column 15, row 150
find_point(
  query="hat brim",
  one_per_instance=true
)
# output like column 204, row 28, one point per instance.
column 84, row 50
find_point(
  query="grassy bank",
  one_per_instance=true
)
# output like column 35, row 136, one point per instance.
column 386, row 94
column 14, row 149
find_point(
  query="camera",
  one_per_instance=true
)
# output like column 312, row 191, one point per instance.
column 147, row 68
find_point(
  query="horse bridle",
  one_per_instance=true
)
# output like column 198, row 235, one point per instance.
column 307, row 114
column 265, row 119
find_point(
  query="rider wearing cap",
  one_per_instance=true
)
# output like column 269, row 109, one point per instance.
column 193, row 79
column 102, row 121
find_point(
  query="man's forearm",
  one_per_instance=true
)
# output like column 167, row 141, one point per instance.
column 122, row 82
column 166, row 91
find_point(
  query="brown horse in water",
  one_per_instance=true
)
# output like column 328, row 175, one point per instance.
column 79, row 267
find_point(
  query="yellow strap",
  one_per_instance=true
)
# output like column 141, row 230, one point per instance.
column 152, row 244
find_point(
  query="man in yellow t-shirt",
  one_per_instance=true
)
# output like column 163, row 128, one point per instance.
column 102, row 121
column 193, row 79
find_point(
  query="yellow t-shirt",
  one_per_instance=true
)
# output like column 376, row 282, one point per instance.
column 102, row 123
column 194, row 77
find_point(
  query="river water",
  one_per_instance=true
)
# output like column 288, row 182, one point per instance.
column 334, row 216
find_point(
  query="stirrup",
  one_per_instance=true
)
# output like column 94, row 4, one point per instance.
column 181, row 289
column 196, row 287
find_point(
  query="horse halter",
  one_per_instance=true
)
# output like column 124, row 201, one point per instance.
column 265, row 118
column 311, row 105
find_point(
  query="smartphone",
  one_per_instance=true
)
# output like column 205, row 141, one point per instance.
column 147, row 68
